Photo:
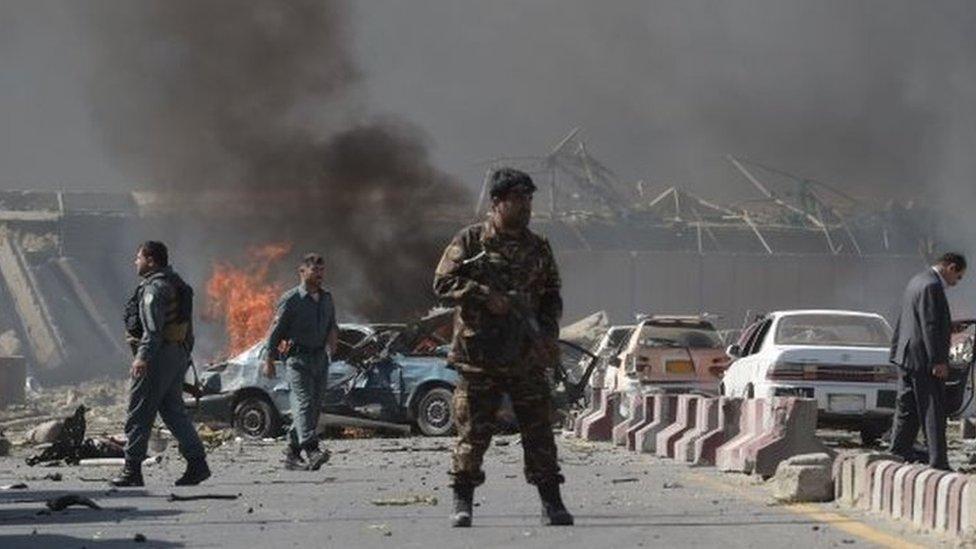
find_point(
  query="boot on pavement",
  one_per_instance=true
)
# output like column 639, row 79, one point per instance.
column 317, row 458
column 197, row 471
column 293, row 459
column 463, row 502
column 554, row 513
column 130, row 476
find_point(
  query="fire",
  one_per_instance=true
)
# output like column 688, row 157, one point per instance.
column 243, row 298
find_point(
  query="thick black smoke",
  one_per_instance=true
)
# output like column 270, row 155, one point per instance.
column 258, row 100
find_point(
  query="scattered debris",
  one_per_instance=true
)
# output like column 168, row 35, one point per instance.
column 435, row 448
column 55, row 477
column 45, row 433
column 4, row 445
column 409, row 500
column 669, row 485
column 628, row 479
column 68, row 500
column 804, row 478
column 382, row 529
column 175, row 497
column 17, row 486
column 116, row 461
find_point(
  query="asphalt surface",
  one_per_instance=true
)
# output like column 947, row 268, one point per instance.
column 392, row 493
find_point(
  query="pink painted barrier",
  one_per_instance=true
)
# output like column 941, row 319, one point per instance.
column 684, row 421
column 727, row 427
column 665, row 406
column 730, row 456
column 635, row 411
column 598, row 426
column 789, row 429
column 648, row 411
column 595, row 400
column 706, row 419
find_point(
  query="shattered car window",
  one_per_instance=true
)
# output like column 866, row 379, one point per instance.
column 833, row 330
column 698, row 336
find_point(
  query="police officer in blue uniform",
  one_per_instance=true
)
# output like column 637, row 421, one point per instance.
column 162, row 340
column 305, row 327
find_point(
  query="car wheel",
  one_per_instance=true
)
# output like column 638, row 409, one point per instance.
column 435, row 412
column 750, row 391
column 255, row 417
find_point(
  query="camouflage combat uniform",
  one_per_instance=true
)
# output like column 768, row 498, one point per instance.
column 497, row 354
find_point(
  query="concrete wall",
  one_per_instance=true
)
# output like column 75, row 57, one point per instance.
column 730, row 285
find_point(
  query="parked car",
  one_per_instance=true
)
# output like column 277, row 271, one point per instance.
column 388, row 373
column 669, row 353
column 839, row 358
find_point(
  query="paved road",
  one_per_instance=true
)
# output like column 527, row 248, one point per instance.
column 620, row 500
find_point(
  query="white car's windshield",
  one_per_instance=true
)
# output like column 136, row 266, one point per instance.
column 833, row 330
column 699, row 336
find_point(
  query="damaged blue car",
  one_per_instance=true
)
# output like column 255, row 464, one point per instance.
column 392, row 377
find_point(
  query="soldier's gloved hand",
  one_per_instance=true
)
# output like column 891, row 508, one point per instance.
column 268, row 368
column 498, row 304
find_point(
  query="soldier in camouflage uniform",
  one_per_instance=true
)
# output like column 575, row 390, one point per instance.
column 504, row 282
column 161, row 337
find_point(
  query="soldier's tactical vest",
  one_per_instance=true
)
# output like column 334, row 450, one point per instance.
column 179, row 312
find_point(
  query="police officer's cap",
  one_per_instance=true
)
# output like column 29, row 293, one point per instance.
column 506, row 180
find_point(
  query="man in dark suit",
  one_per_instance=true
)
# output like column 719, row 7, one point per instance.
column 920, row 348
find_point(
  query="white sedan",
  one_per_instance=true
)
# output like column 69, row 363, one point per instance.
column 839, row 358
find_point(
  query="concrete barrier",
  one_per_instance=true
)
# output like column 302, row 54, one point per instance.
column 789, row 429
column 595, row 399
column 635, row 412
column 645, row 440
column 730, row 456
column 598, row 426
column 727, row 427
column 706, row 420
column 684, row 421
column 928, row 499
column 648, row 410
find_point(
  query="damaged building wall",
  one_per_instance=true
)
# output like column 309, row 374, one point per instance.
column 729, row 285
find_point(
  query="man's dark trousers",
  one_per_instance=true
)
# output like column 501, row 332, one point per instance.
column 921, row 404
column 160, row 390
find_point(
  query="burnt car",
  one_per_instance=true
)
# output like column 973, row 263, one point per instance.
column 393, row 374
column 381, row 375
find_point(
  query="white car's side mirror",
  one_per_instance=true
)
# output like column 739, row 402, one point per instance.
column 733, row 351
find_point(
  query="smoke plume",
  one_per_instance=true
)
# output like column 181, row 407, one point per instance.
column 257, row 102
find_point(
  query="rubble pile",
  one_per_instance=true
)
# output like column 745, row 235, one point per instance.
column 33, row 421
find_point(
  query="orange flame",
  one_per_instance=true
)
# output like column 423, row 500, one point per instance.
column 243, row 298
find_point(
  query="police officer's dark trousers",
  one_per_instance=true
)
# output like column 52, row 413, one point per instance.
column 921, row 404
column 160, row 391
column 307, row 371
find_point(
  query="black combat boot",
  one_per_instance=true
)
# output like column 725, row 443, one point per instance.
column 317, row 458
column 197, row 471
column 463, row 502
column 131, row 476
column 293, row 459
column 554, row 513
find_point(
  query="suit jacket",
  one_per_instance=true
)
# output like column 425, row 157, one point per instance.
column 923, row 329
